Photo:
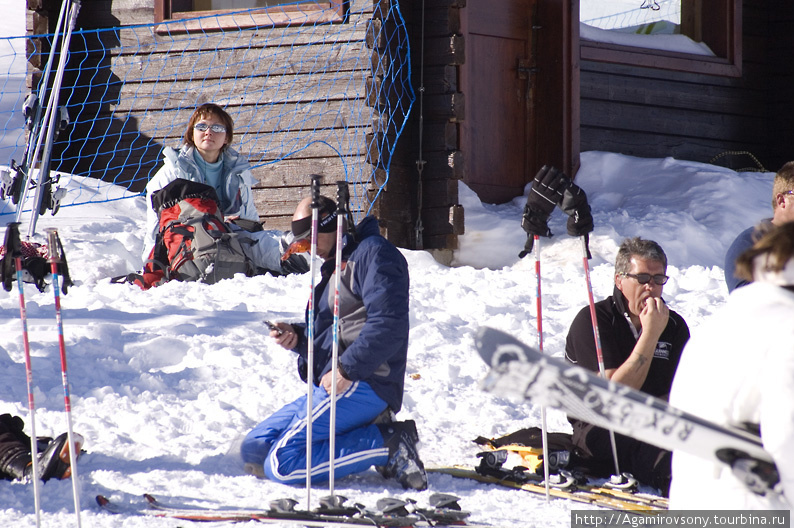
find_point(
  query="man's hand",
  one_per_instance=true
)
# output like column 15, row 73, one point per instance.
column 284, row 335
column 654, row 316
column 342, row 383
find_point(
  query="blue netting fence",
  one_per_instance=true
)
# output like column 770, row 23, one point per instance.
column 300, row 86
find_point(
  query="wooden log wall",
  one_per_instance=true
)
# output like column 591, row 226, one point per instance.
column 657, row 113
column 430, row 140
column 281, row 184
column 781, row 51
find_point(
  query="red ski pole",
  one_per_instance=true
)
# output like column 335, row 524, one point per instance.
column 13, row 248
column 597, row 336
column 315, row 190
column 55, row 251
column 543, row 430
column 342, row 197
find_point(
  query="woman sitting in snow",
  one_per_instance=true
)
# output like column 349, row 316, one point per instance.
column 738, row 370
column 207, row 158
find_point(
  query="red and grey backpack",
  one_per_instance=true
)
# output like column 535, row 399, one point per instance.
column 193, row 242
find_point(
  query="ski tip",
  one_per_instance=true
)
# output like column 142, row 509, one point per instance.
column 150, row 498
column 498, row 348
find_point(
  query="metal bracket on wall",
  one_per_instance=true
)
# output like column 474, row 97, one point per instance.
column 525, row 69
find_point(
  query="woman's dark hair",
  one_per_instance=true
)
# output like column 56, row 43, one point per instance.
column 210, row 110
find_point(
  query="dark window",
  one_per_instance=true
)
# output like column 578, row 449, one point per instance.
column 702, row 36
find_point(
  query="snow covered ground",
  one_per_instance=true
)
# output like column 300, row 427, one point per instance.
column 165, row 382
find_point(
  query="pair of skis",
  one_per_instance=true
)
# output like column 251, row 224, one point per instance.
column 42, row 131
column 443, row 510
column 561, row 486
column 13, row 251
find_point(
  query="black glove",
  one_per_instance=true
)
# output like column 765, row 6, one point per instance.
column 574, row 204
column 580, row 219
column 545, row 194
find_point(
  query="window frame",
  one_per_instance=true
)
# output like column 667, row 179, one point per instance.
column 723, row 35
column 327, row 11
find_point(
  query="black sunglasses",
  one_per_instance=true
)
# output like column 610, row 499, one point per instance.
column 645, row 278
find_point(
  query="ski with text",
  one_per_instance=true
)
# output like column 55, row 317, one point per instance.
column 444, row 510
column 519, row 370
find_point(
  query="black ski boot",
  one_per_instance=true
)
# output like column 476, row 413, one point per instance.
column 54, row 460
column 15, row 463
column 404, row 463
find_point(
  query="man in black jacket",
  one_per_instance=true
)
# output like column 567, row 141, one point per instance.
column 641, row 342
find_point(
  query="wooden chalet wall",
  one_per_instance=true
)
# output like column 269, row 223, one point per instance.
column 658, row 113
column 427, row 163
column 780, row 58
column 280, row 185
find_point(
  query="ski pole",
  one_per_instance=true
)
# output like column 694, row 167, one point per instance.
column 35, row 130
column 342, row 197
column 315, row 191
column 597, row 336
column 55, row 251
column 14, row 249
column 543, row 430
column 52, row 106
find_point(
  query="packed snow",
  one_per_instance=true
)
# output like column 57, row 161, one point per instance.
column 165, row 382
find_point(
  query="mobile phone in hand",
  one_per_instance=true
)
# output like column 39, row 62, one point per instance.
column 273, row 327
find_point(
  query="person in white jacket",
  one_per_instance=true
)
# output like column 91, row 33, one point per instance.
column 206, row 157
column 738, row 370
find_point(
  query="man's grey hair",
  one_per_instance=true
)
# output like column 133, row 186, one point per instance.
column 640, row 248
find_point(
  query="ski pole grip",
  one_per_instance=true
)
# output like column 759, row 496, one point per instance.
column 13, row 244
column 342, row 197
column 53, row 255
column 315, row 190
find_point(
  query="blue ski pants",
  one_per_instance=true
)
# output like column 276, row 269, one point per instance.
column 279, row 443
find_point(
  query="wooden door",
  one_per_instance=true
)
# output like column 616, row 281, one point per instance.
column 520, row 82
column 496, row 82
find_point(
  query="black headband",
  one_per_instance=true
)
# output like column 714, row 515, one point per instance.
column 302, row 228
